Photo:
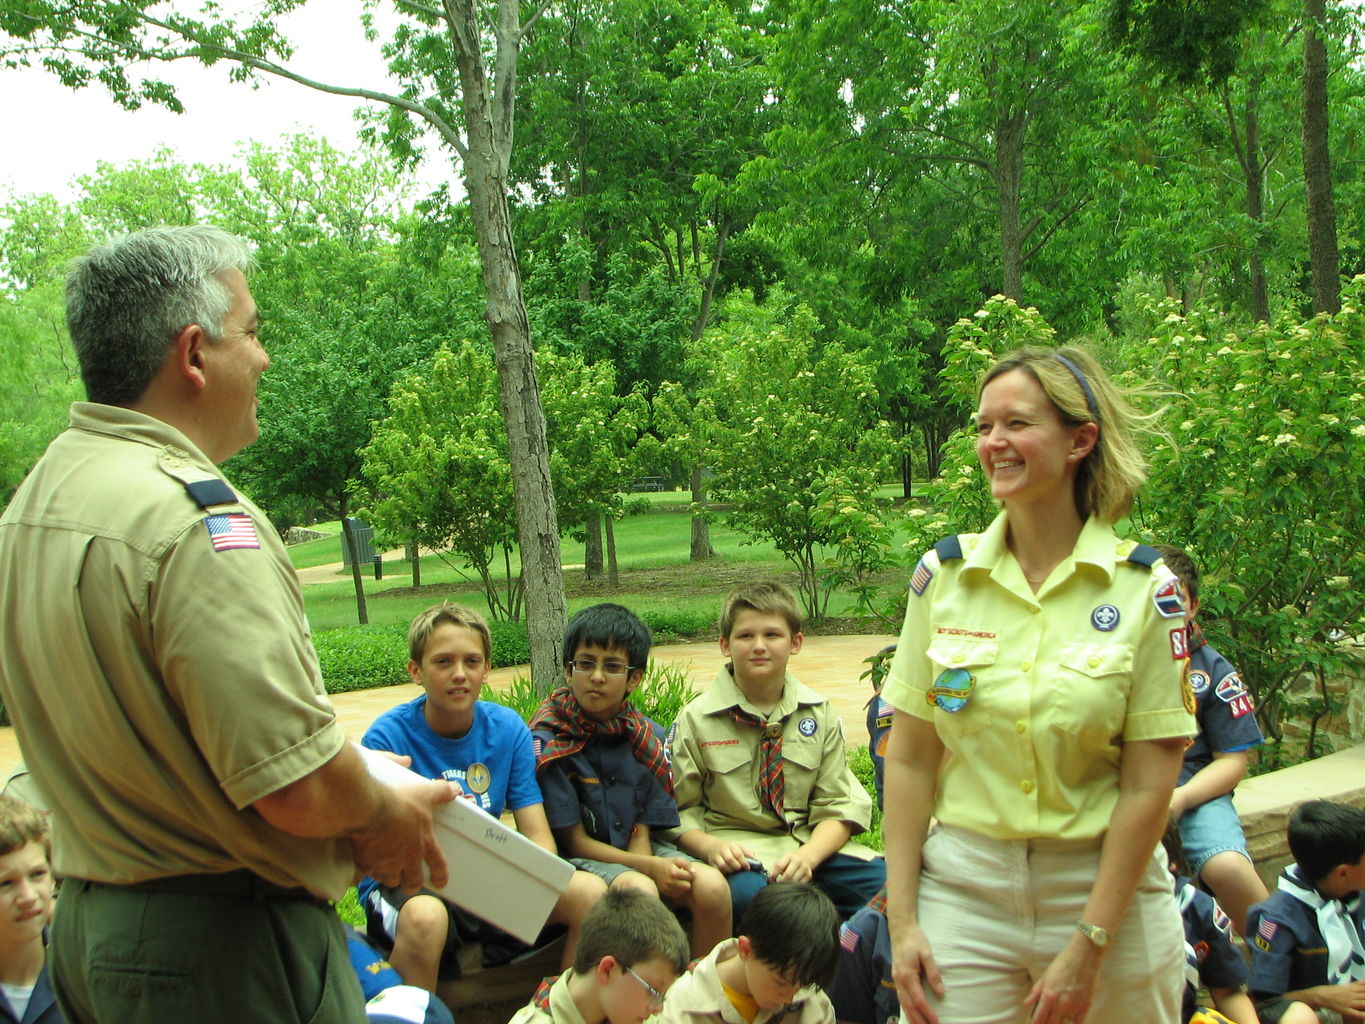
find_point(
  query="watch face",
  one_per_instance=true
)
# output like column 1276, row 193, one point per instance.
column 1094, row 933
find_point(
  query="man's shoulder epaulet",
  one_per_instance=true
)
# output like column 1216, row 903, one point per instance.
column 949, row 548
column 207, row 493
column 1144, row 555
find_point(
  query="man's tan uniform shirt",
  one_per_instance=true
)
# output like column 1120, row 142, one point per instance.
column 156, row 661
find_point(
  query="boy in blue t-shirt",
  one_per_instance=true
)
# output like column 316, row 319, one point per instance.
column 1210, row 830
column 1307, row 941
column 604, row 773
column 486, row 748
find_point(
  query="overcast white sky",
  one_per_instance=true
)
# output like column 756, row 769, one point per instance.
column 52, row 133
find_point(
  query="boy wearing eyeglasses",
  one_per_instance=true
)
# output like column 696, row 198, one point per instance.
column 605, row 777
column 485, row 748
column 631, row 950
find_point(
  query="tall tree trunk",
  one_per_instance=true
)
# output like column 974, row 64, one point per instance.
column 1255, row 183
column 701, row 529
column 1317, row 166
column 592, row 547
column 1009, row 176
column 613, row 570
column 489, row 146
column 348, row 537
column 415, row 562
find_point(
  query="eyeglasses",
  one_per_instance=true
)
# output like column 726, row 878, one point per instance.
column 656, row 998
column 586, row 666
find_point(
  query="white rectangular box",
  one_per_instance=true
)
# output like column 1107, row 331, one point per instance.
column 495, row 871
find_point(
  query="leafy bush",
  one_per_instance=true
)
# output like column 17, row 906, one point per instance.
column 348, row 908
column 861, row 762
column 510, row 644
column 668, row 624
column 362, row 657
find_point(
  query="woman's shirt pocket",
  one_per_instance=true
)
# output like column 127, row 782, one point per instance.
column 962, row 703
column 1088, row 692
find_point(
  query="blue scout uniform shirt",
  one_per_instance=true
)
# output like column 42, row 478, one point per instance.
column 606, row 787
column 862, row 991
column 1208, row 944
column 1288, row 952
column 1223, row 709
column 879, row 716
column 493, row 762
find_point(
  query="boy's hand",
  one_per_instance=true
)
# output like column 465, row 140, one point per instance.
column 672, row 875
column 792, row 867
column 1347, row 1000
column 729, row 857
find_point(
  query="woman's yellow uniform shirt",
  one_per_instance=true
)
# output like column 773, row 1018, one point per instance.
column 1059, row 680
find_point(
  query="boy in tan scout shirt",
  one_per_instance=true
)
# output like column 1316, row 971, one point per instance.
column 629, row 953
column 762, row 782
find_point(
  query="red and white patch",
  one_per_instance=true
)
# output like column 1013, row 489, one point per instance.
column 1240, row 706
column 1180, row 644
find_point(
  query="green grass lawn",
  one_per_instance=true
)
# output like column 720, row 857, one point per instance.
column 655, row 542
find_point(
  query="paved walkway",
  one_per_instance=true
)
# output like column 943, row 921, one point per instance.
column 829, row 664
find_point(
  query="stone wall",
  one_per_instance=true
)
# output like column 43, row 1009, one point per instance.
column 299, row 534
column 1264, row 802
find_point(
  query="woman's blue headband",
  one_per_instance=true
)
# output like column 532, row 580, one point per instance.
column 1090, row 402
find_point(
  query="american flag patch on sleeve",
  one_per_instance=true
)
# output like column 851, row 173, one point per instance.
column 848, row 938
column 231, row 531
column 1267, row 930
column 920, row 578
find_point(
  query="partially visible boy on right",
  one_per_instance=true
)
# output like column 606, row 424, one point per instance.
column 774, row 971
column 1308, row 939
column 25, row 909
column 1215, row 762
column 630, row 950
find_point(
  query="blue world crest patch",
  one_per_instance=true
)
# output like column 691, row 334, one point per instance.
column 1105, row 618
column 951, row 690
column 806, row 726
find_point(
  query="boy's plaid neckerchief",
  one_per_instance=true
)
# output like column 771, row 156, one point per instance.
column 542, row 996
column 561, row 715
column 772, row 787
column 1196, row 635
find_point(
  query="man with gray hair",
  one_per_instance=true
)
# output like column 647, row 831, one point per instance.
column 156, row 661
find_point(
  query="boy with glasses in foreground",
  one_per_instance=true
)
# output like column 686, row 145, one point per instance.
column 630, row 950
column 605, row 777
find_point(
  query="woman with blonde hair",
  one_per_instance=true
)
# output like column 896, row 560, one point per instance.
column 1042, row 709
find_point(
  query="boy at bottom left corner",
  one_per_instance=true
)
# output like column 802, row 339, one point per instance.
column 486, row 749
column 26, row 886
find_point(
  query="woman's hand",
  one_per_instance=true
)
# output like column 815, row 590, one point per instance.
column 912, row 968
column 1065, row 991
